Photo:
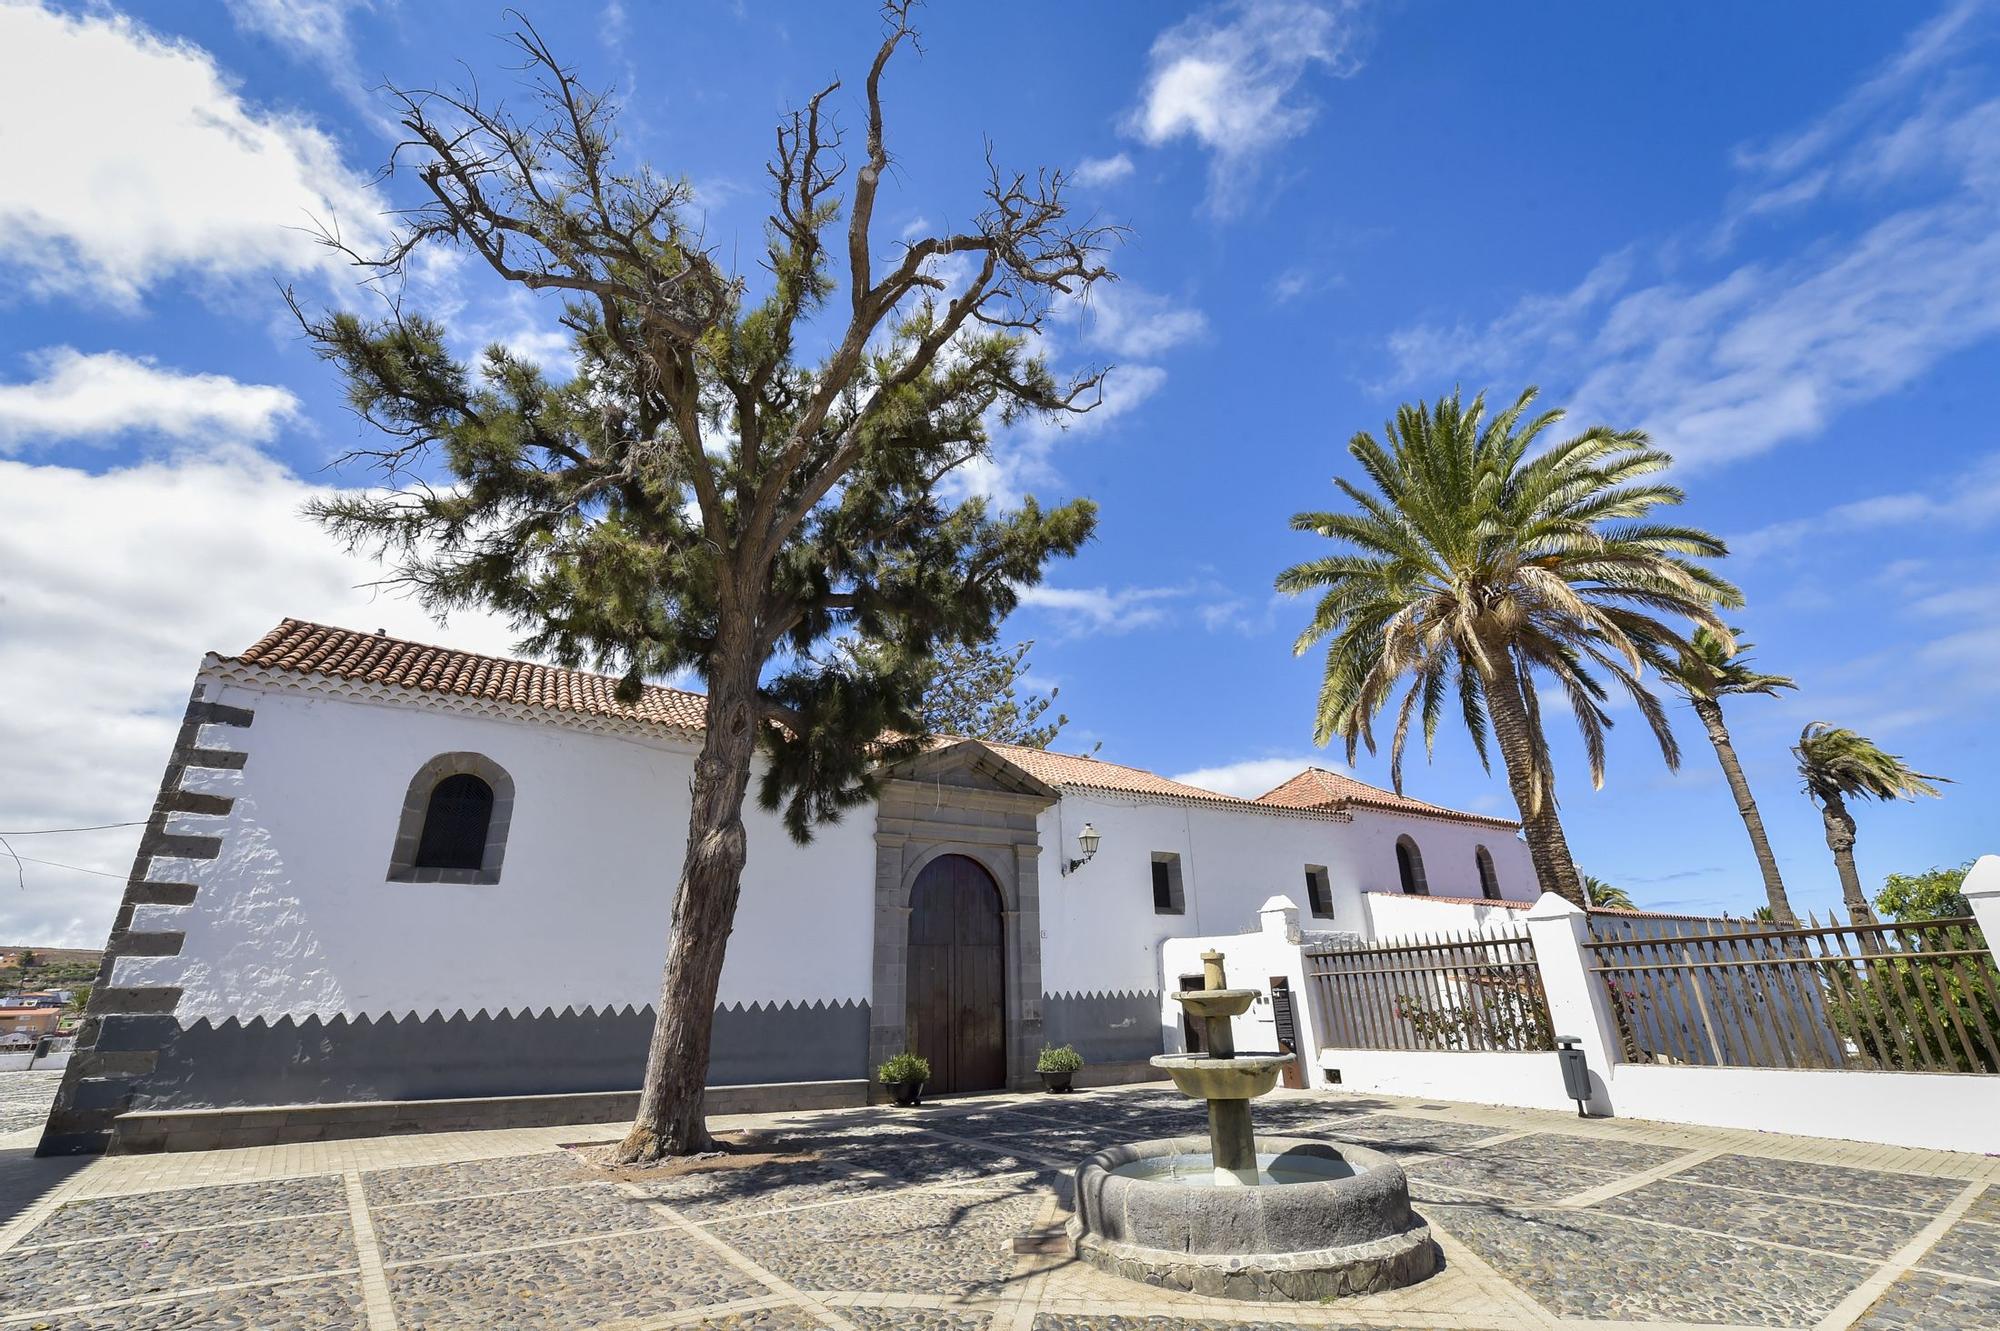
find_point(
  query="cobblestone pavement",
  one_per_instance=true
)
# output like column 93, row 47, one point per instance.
column 907, row 1220
column 25, row 1098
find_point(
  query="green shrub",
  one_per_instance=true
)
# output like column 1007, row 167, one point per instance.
column 1062, row 1058
column 904, row 1067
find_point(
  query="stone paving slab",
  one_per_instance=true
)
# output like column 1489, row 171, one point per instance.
column 760, row 1188
column 1399, row 1135
column 1585, row 1264
column 1595, row 1153
column 1826, row 1225
column 472, row 1178
column 943, row 1162
column 576, row 1285
column 936, row 1242
column 1968, row 1248
column 1793, row 1178
column 1986, row 1206
column 105, row 1270
column 185, row 1208
column 417, row 1230
column 1496, row 1173
column 913, row 1319
column 1923, row 1302
column 298, row 1305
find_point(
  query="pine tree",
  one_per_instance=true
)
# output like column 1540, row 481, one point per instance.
column 976, row 691
column 739, row 472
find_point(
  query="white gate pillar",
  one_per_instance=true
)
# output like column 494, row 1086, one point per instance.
column 1982, row 889
column 1577, row 1003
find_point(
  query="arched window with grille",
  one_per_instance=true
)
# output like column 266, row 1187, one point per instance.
column 1410, row 868
column 454, row 822
column 1489, row 882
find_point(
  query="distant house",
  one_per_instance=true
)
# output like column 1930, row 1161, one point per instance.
column 34, row 1022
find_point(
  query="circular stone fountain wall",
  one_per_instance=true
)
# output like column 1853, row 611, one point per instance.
column 1347, row 1229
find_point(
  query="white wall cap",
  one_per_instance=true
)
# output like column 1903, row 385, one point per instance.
column 1549, row 906
column 1283, row 902
column 1982, row 880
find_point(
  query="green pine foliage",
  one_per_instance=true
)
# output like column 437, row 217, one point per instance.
column 703, row 486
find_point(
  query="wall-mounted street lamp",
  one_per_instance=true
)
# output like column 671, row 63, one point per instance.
column 1086, row 841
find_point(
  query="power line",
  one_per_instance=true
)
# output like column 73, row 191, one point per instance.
column 50, row 831
column 77, row 868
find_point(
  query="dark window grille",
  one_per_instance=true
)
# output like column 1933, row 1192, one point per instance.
column 455, row 824
column 1410, row 868
column 1319, row 893
column 1489, row 882
column 1167, row 897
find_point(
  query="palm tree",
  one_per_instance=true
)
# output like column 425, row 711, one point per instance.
column 1705, row 673
column 1839, row 765
column 1604, row 896
column 1476, row 568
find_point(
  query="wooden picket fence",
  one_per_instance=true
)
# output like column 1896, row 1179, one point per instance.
column 1915, row 997
column 1431, row 993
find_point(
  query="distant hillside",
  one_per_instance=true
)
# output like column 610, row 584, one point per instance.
column 54, row 968
column 54, row 956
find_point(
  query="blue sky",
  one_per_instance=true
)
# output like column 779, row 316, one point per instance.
column 1770, row 235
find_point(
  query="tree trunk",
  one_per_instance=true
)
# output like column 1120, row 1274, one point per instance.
column 1840, row 840
column 1710, row 712
column 671, row 1117
column 1521, row 745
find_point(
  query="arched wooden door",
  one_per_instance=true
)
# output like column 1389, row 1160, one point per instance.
column 956, row 977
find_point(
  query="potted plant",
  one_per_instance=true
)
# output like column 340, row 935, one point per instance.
column 904, row 1075
column 1057, row 1066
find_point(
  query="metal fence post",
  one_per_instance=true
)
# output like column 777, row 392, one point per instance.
column 1578, row 1005
column 1982, row 889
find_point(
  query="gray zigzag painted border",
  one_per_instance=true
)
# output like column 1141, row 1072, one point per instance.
column 324, row 1061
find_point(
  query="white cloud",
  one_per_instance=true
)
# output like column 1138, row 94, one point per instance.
column 1095, row 171
column 1228, row 79
column 1970, row 501
column 1022, row 458
column 1745, row 358
column 1134, row 323
column 161, row 170
column 111, row 588
column 1086, row 610
column 1251, row 777
column 98, row 395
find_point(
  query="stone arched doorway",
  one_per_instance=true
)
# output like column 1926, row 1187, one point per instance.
column 956, row 976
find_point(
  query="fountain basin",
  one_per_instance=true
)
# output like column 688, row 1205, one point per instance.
column 1336, row 1222
column 1238, row 1077
column 1216, row 1002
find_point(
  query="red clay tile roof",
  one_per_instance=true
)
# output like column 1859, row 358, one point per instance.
column 350, row 654
column 308, row 648
column 1317, row 788
column 1072, row 771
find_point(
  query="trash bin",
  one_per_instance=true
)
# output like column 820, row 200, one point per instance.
column 1576, row 1072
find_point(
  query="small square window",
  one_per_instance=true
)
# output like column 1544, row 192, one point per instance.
column 1319, row 892
column 1168, row 897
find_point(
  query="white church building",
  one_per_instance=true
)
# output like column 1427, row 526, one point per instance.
column 389, row 885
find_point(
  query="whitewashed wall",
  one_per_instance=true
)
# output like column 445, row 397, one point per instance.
column 1102, row 932
column 1393, row 915
column 1449, row 850
column 297, row 917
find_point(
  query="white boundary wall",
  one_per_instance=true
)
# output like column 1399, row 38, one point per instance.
column 1933, row 1111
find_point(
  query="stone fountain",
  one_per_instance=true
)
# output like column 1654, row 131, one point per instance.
column 1241, row 1216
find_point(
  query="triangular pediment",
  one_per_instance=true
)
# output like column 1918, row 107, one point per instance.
column 971, row 765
